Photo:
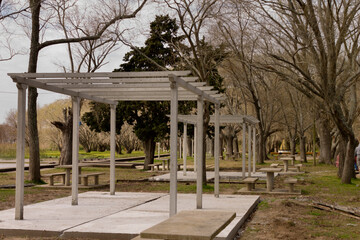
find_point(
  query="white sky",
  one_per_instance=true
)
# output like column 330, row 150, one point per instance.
column 50, row 55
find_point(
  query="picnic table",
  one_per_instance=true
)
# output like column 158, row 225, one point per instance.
column 270, row 177
column 195, row 225
column 165, row 162
column 286, row 162
column 68, row 171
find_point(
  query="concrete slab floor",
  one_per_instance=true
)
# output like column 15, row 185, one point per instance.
column 123, row 216
column 191, row 176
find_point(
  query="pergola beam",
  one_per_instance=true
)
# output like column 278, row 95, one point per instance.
column 116, row 86
column 101, row 74
column 164, row 79
column 43, row 86
column 135, row 91
column 193, row 89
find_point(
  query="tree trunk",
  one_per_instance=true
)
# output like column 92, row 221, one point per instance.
column 323, row 127
column 221, row 142
column 229, row 146
column 212, row 147
column 149, row 149
column 66, row 129
column 66, row 150
column 236, row 145
column 302, row 148
column 206, row 126
column 293, row 144
column 34, row 149
column 340, row 156
column 348, row 171
column 189, row 146
column 262, row 148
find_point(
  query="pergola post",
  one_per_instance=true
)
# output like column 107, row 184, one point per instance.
column 243, row 149
column 192, row 147
column 185, row 149
column 20, row 152
column 112, row 148
column 195, row 147
column 75, row 151
column 249, row 151
column 180, row 148
column 199, row 151
column 217, row 150
column 254, row 149
column 173, row 147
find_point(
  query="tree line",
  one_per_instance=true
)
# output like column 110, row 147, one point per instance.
column 292, row 64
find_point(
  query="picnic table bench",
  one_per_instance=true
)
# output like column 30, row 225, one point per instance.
column 85, row 177
column 165, row 163
column 152, row 166
column 291, row 182
column 195, row 225
column 250, row 183
column 298, row 167
column 52, row 175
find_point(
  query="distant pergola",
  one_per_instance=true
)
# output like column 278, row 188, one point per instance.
column 110, row 88
column 246, row 121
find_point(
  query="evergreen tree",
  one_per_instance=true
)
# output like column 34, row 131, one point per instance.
column 149, row 118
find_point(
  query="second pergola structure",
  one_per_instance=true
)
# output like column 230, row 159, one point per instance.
column 248, row 123
column 109, row 88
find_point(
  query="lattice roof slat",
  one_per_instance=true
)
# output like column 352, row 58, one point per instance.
column 224, row 119
column 121, row 86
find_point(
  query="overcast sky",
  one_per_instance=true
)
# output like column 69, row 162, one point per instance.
column 51, row 55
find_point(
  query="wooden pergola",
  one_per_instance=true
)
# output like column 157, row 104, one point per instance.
column 110, row 88
column 246, row 121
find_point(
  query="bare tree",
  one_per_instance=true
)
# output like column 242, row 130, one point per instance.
column 127, row 138
column 199, row 55
column 10, row 10
column 87, row 138
column 313, row 45
column 252, row 91
column 102, row 19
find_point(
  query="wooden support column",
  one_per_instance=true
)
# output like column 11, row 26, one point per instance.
column 254, row 149
column 180, row 148
column 243, row 149
column 192, row 147
column 173, row 147
column 112, row 148
column 20, row 152
column 195, row 147
column 249, row 151
column 217, row 149
column 185, row 149
column 199, row 151
column 75, row 151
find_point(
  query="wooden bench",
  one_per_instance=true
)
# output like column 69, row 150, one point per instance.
column 157, row 165
column 52, row 175
column 291, row 182
column 274, row 165
column 298, row 167
column 250, row 183
column 85, row 177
